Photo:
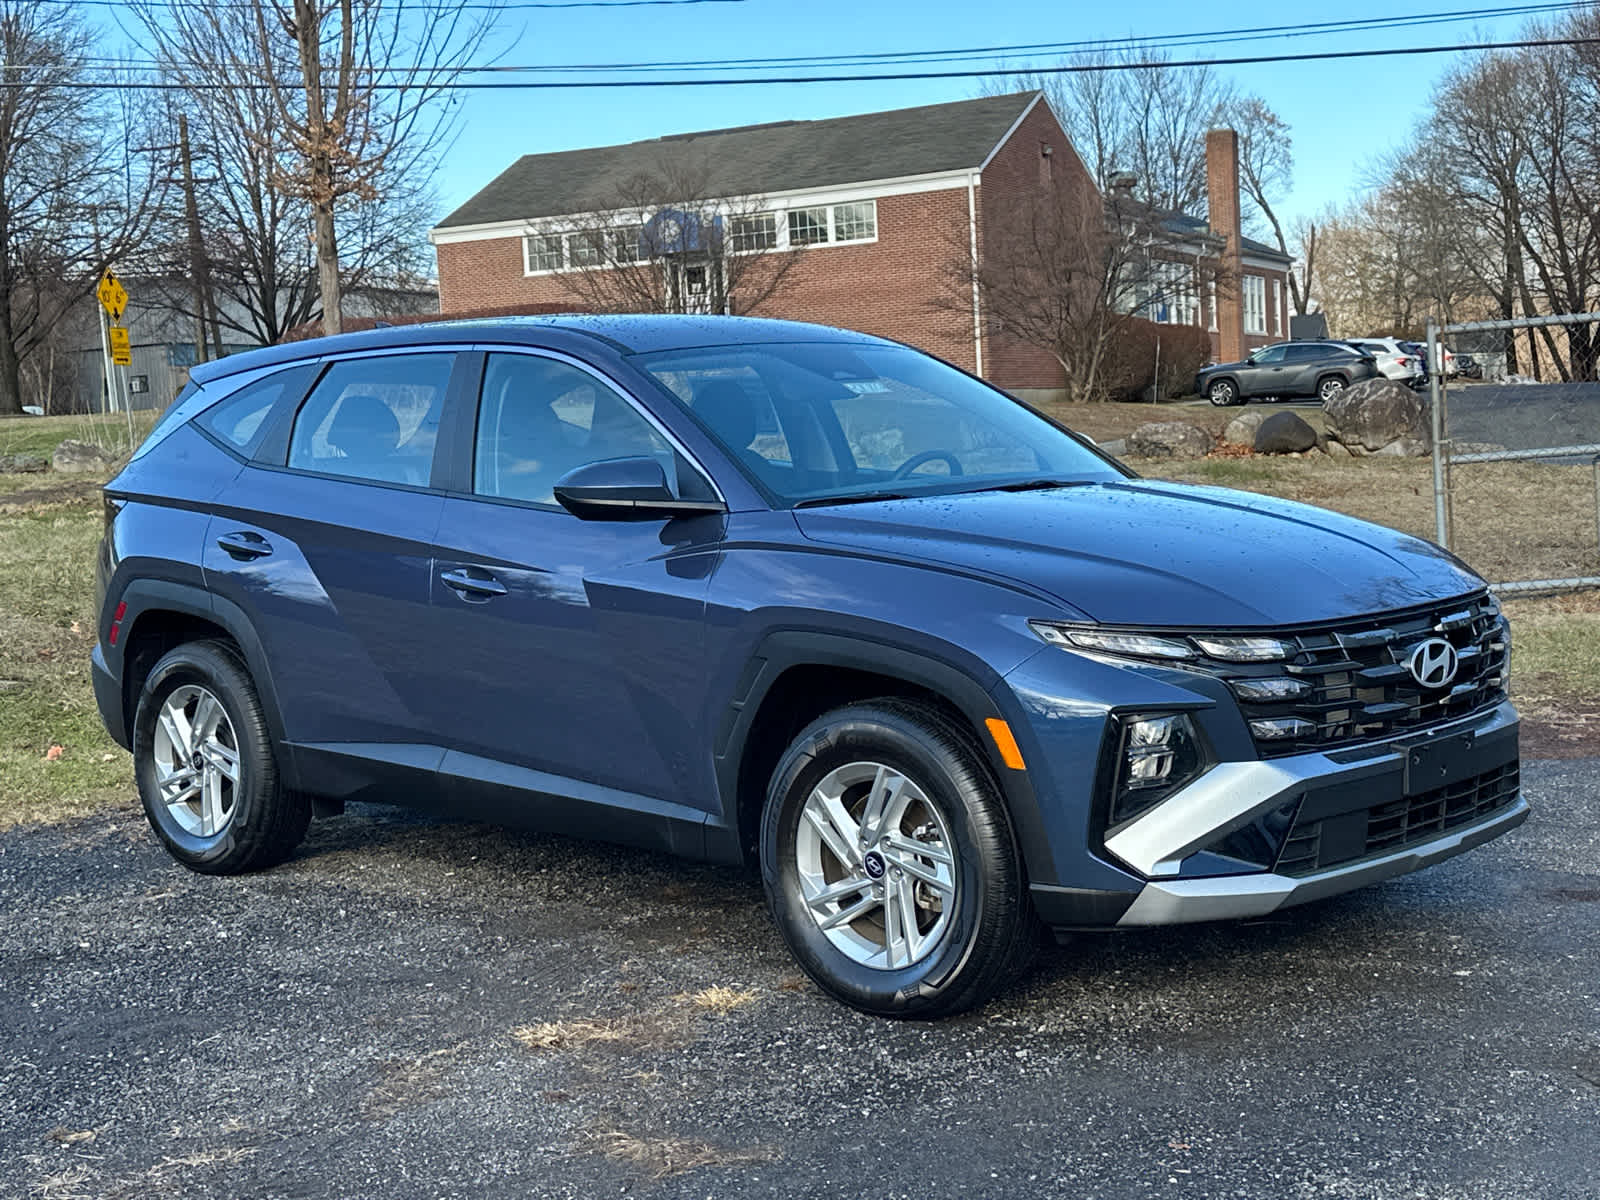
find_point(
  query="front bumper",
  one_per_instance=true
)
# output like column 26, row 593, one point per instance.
column 1358, row 815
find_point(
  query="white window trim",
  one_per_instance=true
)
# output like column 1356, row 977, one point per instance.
column 1255, row 286
column 1277, row 306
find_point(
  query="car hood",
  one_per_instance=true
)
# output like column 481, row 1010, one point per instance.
column 1152, row 554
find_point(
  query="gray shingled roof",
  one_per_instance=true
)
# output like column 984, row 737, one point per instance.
column 754, row 159
column 1185, row 225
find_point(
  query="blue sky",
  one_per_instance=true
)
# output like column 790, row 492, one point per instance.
column 1341, row 114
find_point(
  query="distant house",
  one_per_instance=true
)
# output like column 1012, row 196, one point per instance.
column 880, row 203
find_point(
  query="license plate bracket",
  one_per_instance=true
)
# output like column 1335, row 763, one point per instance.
column 1440, row 761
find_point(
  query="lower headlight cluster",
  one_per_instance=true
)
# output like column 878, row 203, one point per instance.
column 1156, row 755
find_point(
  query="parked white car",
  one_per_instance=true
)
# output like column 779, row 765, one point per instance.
column 1394, row 360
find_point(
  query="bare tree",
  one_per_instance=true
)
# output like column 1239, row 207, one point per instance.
column 666, row 242
column 336, row 105
column 75, row 194
column 1065, row 272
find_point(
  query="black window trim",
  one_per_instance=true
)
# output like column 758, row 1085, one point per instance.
column 291, row 398
column 462, row 419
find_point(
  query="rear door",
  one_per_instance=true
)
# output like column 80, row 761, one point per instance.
column 324, row 542
column 568, row 662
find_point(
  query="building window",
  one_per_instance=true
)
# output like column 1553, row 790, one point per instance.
column 1277, row 306
column 542, row 252
column 855, row 222
column 758, row 232
column 626, row 243
column 808, row 226
column 1172, row 296
column 587, row 249
column 1255, row 304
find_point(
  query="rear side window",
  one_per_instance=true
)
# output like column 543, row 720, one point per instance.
column 540, row 418
column 373, row 418
column 240, row 421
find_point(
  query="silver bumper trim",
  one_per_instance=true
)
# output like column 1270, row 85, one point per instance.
column 1231, row 795
column 1228, row 897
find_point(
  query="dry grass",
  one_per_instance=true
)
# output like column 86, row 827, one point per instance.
column 660, row 1157
column 41, row 435
column 577, row 1034
column 408, row 1083
column 719, row 1000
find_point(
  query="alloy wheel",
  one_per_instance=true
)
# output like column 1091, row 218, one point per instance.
column 197, row 763
column 1329, row 389
column 877, row 865
column 1221, row 393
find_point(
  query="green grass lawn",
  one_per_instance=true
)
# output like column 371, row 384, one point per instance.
column 41, row 435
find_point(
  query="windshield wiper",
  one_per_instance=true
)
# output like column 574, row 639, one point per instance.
column 857, row 498
column 1033, row 485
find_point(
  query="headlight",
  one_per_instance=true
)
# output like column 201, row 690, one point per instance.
column 1156, row 755
column 1245, row 649
column 1130, row 645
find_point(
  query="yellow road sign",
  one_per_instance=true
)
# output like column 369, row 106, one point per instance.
column 113, row 296
column 121, row 350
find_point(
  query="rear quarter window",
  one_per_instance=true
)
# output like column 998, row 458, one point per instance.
column 240, row 421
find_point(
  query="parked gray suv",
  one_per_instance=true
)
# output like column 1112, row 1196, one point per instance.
column 1320, row 369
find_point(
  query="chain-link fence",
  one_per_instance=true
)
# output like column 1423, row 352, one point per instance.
column 1516, row 456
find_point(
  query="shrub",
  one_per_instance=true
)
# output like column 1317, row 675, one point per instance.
column 1129, row 367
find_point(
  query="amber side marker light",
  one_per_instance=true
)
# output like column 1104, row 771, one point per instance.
column 1006, row 744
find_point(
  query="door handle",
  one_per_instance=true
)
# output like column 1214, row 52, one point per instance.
column 245, row 546
column 473, row 586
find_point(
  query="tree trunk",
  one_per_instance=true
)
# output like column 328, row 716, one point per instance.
column 328, row 267
column 10, row 368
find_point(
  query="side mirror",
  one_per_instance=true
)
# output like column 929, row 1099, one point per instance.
column 621, row 489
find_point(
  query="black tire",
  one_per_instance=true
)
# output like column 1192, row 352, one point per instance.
column 1329, row 386
column 991, row 930
column 266, row 821
column 1224, row 393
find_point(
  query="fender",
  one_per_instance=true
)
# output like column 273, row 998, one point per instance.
column 146, row 596
column 968, row 688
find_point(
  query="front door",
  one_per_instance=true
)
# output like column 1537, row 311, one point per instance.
column 570, row 657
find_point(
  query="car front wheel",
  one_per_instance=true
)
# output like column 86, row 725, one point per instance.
column 1223, row 393
column 204, row 765
column 889, row 863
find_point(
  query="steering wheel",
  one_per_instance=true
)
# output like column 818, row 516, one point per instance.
column 928, row 456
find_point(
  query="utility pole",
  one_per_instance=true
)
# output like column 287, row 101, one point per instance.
column 199, row 268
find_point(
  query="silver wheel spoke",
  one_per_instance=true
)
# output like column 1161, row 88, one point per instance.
column 180, row 789
column 833, row 825
column 837, row 891
column 224, row 758
column 207, row 713
column 900, row 897
column 902, row 845
column 210, row 802
column 917, row 870
column 851, row 913
column 887, row 786
column 179, row 731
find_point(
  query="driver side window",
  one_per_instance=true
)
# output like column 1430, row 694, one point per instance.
column 539, row 418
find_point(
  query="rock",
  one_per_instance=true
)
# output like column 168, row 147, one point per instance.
column 1336, row 449
column 23, row 464
column 1169, row 439
column 1285, row 433
column 1116, row 447
column 1376, row 412
column 1405, row 448
column 76, row 457
column 1241, row 431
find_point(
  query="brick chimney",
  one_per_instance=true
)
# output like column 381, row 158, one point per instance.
column 1222, row 197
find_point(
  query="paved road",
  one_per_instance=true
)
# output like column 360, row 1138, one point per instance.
column 343, row 1027
column 1525, row 416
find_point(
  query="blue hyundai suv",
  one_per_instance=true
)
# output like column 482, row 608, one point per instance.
column 754, row 591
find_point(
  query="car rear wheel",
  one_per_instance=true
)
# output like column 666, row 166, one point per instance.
column 1329, row 387
column 205, row 768
column 889, row 862
column 1223, row 393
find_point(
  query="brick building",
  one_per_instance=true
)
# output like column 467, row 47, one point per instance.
column 873, row 213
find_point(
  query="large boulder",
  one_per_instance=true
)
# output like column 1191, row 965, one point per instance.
column 1241, row 431
column 1285, row 433
column 1376, row 413
column 23, row 464
column 1169, row 439
column 73, row 457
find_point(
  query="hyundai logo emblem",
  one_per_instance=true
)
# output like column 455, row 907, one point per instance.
column 1433, row 663
column 874, row 864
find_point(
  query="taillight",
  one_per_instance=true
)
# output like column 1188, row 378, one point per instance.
column 116, row 621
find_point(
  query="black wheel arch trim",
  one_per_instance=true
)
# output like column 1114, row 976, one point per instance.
column 971, row 696
column 146, row 596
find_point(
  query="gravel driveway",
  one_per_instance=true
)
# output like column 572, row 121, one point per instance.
column 413, row 1009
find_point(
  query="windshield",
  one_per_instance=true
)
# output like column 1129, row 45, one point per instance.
column 824, row 422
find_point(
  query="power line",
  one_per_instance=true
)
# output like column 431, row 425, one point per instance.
column 1005, row 72
column 475, row 5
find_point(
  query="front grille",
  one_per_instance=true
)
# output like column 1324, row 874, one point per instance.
column 1317, row 844
column 1360, row 687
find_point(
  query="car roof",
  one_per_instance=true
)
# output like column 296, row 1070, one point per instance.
column 620, row 333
